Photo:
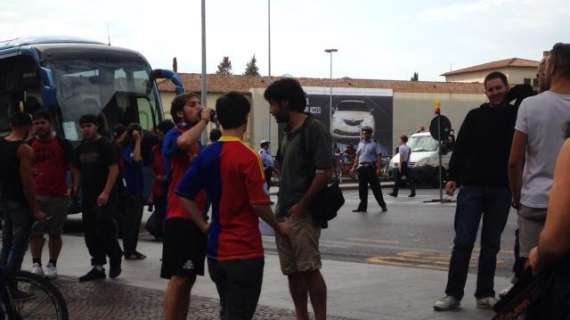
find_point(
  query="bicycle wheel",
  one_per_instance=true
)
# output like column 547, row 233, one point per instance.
column 34, row 298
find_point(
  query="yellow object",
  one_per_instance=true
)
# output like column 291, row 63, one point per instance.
column 437, row 106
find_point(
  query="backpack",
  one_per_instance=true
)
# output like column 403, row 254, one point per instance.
column 330, row 199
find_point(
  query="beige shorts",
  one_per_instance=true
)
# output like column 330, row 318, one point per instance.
column 531, row 223
column 299, row 252
column 55, row 209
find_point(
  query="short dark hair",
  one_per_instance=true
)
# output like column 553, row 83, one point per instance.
column 42, row 114
column 215, row 134
column 287, row 89
column 178, row 104
column 20, row 119
column 165, row 126
column 404, row 138
column 89, row 118
column 496, row 75
column 232, row 110
column 560, row 59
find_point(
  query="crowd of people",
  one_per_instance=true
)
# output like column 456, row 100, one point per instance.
column 524, row 134
column 208, row 199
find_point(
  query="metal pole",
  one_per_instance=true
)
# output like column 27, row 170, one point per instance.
column 204, row 91
column 440, row 160
column 269, row 62
column 330, row 52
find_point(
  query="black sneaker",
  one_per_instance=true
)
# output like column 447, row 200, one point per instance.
column 412, row 195
column 393, row 195
column 135, row 256
column 384, row 209
column 94, row 274
column 114, row 267
column 358, row 210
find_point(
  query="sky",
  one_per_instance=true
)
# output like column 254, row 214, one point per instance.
column 376, row 39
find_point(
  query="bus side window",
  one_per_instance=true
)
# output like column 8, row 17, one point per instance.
column 146, row 117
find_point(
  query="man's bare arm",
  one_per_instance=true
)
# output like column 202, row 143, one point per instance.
column 554, row 240
column 192, row 135
column 320, row 181
column 26, row 155
column 195, row 215
column 516, row 165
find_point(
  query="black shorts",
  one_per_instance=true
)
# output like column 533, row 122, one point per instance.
column 183, row 250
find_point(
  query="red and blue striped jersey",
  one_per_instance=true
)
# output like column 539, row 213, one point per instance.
column 232, row 175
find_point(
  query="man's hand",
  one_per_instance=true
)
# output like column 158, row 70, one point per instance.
column 137, row 135
column 102, row 199
column 450, row 187
column 205, row 228
column 206, row 114
column 378, row 172
column 297, row 210
column 516, row 203
column 283, row 228
column 533, row 260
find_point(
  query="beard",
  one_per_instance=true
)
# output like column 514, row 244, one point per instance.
column 282, row 116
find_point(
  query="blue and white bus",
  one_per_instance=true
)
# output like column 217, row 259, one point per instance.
column 72, row 77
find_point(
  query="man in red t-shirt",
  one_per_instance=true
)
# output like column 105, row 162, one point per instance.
column 184, row 245
column 52, row 156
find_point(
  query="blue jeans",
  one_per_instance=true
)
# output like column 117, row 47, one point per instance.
column 493, row 204
column 17, row 223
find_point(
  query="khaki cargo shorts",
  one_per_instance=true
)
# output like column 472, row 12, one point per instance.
column 531, row 222
column 299, row 252
column 55, row 209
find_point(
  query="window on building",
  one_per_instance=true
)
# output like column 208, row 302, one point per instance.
column 527, row 81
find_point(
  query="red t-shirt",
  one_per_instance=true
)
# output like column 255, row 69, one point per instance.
column 49, row 168
column 178, row 162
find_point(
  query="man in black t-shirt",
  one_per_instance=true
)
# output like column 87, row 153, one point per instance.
column 95, row 167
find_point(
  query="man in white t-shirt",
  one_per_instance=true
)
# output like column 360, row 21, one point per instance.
column 404, row 171
column 543, row 124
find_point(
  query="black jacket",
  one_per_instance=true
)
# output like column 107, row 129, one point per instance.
column 481, row 153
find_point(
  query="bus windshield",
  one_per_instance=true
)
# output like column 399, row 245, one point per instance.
column 121, row 90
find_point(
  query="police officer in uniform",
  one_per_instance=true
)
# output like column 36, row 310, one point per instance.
column 367, row 163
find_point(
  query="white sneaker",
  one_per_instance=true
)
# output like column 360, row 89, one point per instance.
column 37, row 269
column 486, row 303
column 51, row 271
column 446, row 303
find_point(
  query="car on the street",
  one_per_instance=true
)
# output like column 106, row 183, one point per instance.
column 424, row 160
column 348, row 118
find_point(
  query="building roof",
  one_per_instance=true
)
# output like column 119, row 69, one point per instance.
column 494, row 65
column 243, row 84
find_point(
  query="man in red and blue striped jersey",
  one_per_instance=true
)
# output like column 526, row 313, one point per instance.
column 184, row 245
column 232, row 175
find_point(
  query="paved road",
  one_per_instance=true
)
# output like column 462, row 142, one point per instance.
column 411, row 233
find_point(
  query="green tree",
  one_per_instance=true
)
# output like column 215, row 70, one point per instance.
column 251, row 68
column 225, row 67
column 415, row 77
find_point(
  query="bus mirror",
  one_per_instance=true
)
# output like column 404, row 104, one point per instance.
column 170, row 75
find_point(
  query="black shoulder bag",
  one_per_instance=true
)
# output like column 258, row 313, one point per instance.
column 327, row 202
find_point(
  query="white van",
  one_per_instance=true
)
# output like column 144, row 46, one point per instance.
column 424, row 160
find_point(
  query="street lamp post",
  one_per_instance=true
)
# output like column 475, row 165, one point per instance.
column 204, row 91
column 269, row 62
column 330, row 52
